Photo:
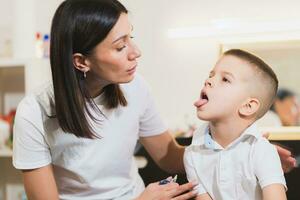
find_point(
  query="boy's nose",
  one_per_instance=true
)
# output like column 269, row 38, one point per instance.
column 208, row 82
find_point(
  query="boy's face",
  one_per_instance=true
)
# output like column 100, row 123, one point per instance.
column 226, row 89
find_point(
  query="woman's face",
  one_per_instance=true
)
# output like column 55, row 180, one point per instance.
column 114, row 60
column 288, row 110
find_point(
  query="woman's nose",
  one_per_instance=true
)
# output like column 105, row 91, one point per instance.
column 135, row 52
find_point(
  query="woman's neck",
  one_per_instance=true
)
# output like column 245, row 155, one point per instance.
column 95, row 85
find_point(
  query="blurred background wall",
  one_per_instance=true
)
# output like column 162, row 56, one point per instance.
column 176, row 66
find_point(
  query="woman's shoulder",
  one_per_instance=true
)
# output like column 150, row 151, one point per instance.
column 40, row 100
column 28, row 110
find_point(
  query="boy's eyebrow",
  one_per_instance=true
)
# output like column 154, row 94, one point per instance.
column 223, row 72
column 228, row 73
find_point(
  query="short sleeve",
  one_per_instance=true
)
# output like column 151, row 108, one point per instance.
column 191, row 172
column 267, row 165
column 150, row 122
column 30, row 149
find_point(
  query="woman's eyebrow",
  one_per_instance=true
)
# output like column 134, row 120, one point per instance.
column 119, row 38
column 122, row 37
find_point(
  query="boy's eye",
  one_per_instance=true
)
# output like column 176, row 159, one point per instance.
column 225, row 80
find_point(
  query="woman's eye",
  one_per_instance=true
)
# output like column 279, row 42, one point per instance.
column 121, row 48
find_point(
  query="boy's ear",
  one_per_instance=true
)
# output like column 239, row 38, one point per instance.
column 249, row 107
column 81, row 62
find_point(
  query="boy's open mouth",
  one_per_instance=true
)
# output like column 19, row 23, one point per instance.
column 202, row 100
column 203, row 95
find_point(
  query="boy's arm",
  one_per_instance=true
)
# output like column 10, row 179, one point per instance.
column 274, row 192
column 190, row 169
column 268, row 170
column 203, row 197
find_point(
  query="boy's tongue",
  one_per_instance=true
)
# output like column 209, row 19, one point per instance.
column 200, row 102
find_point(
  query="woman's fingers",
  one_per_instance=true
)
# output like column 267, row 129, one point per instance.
column 171, row 190
column 288, row 164
column 185, row 187
column 187, row 195
column 266, row 134
column 181, row 192
column 170, row 186
column 287, row 161
column 284, row 153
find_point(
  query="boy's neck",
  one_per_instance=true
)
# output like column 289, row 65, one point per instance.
column 226, row 132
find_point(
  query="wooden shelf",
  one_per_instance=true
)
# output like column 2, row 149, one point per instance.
column 282, row 133
column 6, row 152
column 10, row 62
column 284, row 136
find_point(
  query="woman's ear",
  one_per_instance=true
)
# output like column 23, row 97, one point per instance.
column 80, row 62
column 249, row 107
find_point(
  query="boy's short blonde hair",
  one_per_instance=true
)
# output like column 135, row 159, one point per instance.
column 265, row 78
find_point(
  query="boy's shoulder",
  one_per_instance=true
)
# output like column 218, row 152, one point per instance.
column 262, row 144
column 259, row 144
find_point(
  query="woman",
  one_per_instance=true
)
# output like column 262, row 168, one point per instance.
column 75, row 139
column 285, row 110
column 286, row 106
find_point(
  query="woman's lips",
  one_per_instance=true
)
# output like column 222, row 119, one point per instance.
column 132, row 70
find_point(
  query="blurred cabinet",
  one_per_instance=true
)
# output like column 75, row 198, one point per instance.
column 20, row 77
column 17, row 78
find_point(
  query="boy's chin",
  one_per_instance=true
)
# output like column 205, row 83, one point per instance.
column 203, row 117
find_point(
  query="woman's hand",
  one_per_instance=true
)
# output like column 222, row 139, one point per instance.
column 170, row 191
column 287, row 161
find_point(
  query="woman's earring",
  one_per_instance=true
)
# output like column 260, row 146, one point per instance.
column 84, row 74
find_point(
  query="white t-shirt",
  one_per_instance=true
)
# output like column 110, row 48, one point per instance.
column 87, row 168
column 239, row 171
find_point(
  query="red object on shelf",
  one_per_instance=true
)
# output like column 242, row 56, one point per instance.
column 9, row 118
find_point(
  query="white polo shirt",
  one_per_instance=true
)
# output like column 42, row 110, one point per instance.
column 239, row 171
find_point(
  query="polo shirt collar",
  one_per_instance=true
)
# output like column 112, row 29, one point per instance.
column 202, row 136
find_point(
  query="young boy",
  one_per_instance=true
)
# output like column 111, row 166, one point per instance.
column 228, row 156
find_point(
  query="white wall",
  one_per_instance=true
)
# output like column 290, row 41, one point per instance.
column 176, row 68
column 44, row 10
column 20, row 20
column 5, row 24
